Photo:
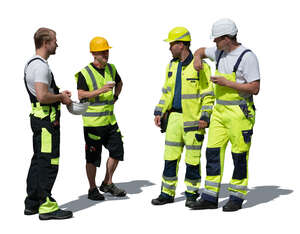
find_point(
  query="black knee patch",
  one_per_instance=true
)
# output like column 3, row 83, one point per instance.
column 213, row 166
column 192, row 172
column 170, row 168
column 240, row 165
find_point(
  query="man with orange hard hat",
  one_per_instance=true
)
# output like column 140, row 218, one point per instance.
column 95, row 84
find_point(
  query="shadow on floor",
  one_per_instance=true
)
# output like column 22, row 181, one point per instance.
column 132, row 187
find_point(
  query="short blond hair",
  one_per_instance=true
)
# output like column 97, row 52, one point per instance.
column 42, row 35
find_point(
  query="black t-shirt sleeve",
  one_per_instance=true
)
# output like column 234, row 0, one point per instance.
column 81, row 83
column 117, row 78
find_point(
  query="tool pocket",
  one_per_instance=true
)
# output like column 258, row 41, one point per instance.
column 247, row 135
column 199, row 137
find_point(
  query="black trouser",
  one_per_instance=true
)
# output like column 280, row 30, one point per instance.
column 44, row 163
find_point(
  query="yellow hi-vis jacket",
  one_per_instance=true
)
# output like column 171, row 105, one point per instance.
column 197, row 96
column 100, row 111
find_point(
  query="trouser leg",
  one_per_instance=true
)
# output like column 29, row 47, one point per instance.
column 240, row 138
column 193, row 143
column 172, row 155
column 215, row 153
column 43, row 171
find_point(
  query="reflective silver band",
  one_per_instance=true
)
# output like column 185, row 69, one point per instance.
column 102, row 103
column 211, row 193
column 190, row 123
column 95, row 86
column 190, row 96
column 229, row 103
column 192, row 188
column 237, row 194
column 207, row 94
column 157, row 108
column 213, row 184
column 193, row 147
column 184, row 35
column 162, row 102
column 206, row 107
column 98, row 114
column 174, row 178
column 171, row 143
column 238, row 187
column 171, row 187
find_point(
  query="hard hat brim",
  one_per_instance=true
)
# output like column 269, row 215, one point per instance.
column 104, row 49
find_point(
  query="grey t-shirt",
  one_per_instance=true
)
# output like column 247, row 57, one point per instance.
column 38, row 71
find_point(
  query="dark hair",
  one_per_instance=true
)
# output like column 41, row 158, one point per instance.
column 233, row 38
column 42, row 35
column 185, row 43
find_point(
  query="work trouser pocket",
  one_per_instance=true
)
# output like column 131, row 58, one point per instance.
column 199, row 137
column 247, row 134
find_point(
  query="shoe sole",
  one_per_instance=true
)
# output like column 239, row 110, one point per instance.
column 160, row 204
column 203, row 208
column 101, row 199
column 42, row 217
column 26, row 212
column 225, row 210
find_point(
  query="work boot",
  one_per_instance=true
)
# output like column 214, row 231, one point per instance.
column 162, row 200
column 232, row 206
column 28, row 211
column 58, row 214
column 95, row 195
column 112, row 189
column 203, row 204
column 189, row 201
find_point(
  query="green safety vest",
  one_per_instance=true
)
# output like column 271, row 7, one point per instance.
column 100, row 110
column 197, row 94
column 48, row 112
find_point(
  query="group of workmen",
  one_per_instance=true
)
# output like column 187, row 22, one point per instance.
column 192, row 100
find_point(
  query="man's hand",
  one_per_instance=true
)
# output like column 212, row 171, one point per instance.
column 220, row 80
column 198, row 63
column 157, row 120
column 106, row 88
column 66, row 97
column 203, row 124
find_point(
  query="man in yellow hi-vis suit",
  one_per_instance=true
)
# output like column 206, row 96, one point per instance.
column 95, row 83
column 237, row 78
column 188, row 99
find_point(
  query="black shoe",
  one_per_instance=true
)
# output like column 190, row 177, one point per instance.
column 95, row 195
column 58, row 214
column 203, row 204
column 189, row 201
column 113, row 190
column 31, row 211
column 232, row 206
column 162, row 200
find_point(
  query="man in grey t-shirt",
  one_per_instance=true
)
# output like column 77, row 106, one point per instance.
column 44, row 118
column 236, row 79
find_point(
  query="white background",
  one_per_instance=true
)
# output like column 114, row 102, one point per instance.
column 135, row 30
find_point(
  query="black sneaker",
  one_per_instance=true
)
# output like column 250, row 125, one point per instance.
column 58, row 214
column 113, row 190
column 31, row 211
column 95, row 195
column 232, row 206
column 162, row 200
column 202, row 205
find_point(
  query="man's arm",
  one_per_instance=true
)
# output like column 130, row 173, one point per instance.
column 198, row 56
column 45, row 97
column 251, row 88
column 91, row 94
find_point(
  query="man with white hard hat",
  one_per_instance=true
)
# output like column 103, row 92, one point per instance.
column 95, row 83
column 236, row 80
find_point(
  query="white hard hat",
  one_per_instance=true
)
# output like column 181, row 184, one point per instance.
column 76, row 108
column 223, row 27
